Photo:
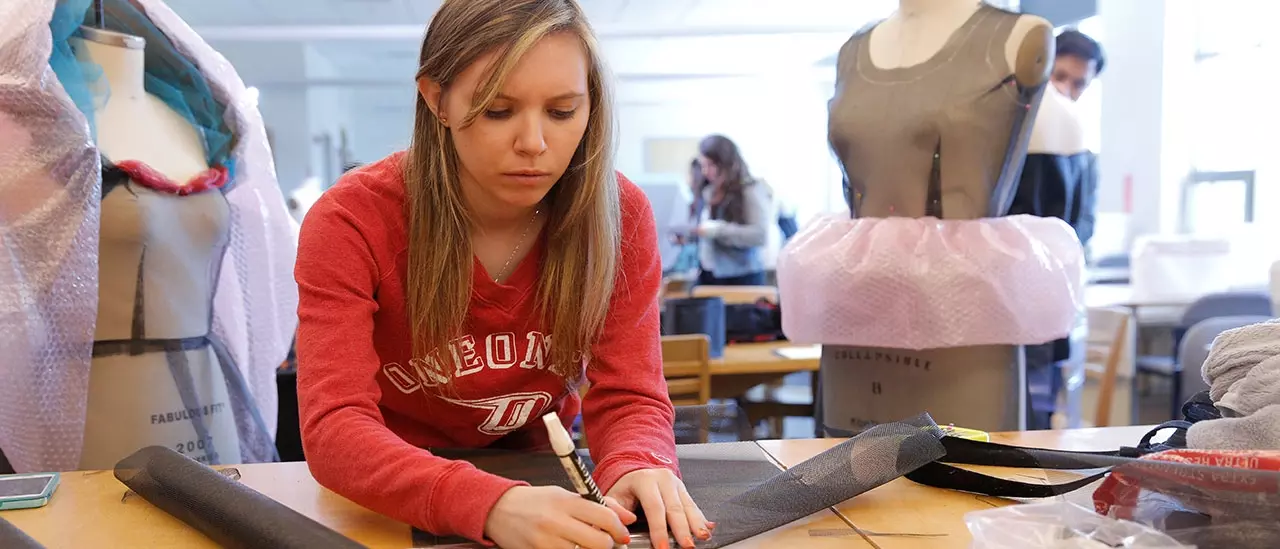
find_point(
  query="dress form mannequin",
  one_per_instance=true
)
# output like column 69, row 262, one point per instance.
column 930, row 118
column 154, row 377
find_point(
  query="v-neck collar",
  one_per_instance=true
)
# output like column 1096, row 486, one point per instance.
column 512, row 292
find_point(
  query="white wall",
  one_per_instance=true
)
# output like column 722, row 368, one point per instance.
column 278, row 70
column 381, row 121
column 1145, row 139
column 328, row 115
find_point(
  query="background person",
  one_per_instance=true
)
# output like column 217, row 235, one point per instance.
column 734, row 224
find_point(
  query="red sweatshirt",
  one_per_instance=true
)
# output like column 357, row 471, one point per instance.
column 365, row 414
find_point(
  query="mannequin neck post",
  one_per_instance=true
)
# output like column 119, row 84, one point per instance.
column 121, row 56
column 916, row 8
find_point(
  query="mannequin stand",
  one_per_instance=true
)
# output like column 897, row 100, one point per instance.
column 974, row 387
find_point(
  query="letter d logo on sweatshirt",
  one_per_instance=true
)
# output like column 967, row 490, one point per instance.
column 507, row 413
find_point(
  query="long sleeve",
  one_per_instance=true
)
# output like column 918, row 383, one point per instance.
column 757, row 206
column 349, row 448
column 627, row 413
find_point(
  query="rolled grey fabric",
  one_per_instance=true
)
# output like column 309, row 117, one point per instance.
column 231, row 514
column 13, row 538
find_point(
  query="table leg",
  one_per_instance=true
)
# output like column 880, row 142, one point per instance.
column 815, row 384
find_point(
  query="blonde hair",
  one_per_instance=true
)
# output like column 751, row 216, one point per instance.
column 576, row 279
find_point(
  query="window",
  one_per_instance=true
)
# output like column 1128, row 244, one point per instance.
column 1232, row 119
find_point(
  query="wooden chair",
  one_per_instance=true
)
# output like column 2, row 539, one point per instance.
column 737, row 294
column 675, row 286
column 1103, row 356
column 686, row 363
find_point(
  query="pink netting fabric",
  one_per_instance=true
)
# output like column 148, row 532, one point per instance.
column 49, row 209
column 926, row 283
column 255, row 311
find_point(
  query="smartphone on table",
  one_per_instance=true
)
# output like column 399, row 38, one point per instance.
column 27, row 491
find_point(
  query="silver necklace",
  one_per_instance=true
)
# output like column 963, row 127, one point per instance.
column 518, row 245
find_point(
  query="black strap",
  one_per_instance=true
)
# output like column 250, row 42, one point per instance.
column 939, row 474
column 933, row 201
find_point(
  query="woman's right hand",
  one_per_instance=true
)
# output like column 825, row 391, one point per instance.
column 550, row 517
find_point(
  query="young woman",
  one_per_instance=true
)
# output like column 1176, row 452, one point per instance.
column 452, row 294
column 736, row 217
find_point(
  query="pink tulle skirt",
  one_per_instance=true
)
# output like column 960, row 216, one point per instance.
column 927, row 283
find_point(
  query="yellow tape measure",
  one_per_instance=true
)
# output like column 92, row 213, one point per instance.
column 961, row 432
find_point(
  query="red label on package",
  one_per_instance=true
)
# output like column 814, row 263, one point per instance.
column 1192, row 473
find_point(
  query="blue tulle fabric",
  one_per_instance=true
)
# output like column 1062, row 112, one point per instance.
column 170, row 76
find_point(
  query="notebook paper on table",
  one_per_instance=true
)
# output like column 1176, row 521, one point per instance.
column 800, row 352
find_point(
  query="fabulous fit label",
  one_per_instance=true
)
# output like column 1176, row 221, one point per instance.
column 189, row 414
column 134, row 402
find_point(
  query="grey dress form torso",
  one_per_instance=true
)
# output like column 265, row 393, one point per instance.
column 942, row 138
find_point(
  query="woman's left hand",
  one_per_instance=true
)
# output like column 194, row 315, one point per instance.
column 665, row 502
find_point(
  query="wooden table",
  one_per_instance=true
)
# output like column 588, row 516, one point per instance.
column 88, row 511
column 745, row 365
column 760, row 358
column 906, row 515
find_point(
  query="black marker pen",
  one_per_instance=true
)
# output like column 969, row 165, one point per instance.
column 563, row 446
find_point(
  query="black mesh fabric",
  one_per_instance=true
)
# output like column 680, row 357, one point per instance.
column 720, row 422
column 736, row 484
column 13, row 538
column 713, row 473
column 229, row 513
column 871, row 459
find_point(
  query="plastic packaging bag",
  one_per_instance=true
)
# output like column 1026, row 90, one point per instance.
column 1059, row 525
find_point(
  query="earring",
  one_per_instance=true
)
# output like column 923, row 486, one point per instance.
column 443, row 121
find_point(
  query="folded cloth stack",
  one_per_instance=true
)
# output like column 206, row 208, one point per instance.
column 1243, row 373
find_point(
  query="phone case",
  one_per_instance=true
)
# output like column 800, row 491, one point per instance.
column 30, row 503
column 33, row 502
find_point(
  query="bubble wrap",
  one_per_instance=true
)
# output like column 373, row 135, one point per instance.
column 49, row 210
column 49, row 244
column 255, row 310
column 926, row 283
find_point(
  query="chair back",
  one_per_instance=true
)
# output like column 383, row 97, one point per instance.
column 1114, row 261
column 1275, row 289
column 733, row 295
column 1233, row 303
column 1105, row 349
column 686, row 363
column 675, row 287
column 1194, row 348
